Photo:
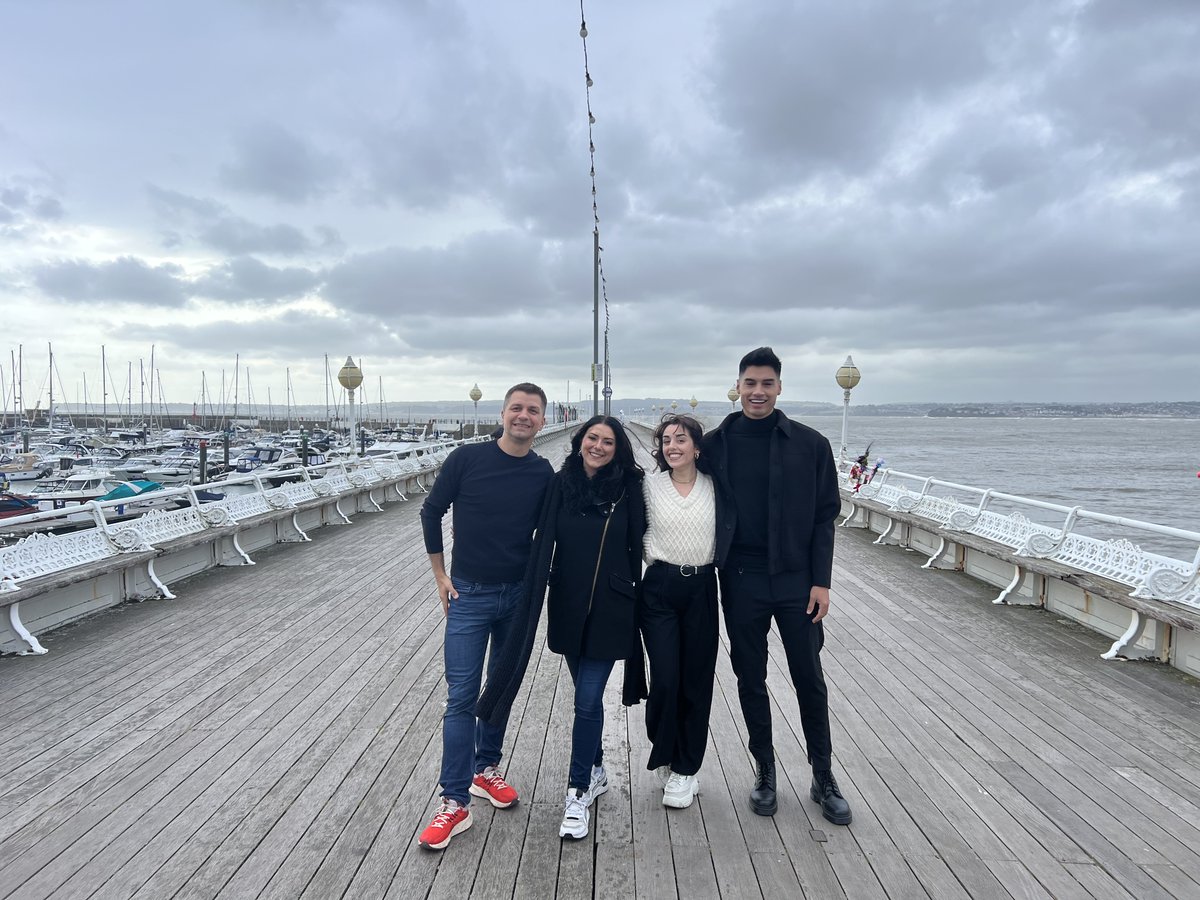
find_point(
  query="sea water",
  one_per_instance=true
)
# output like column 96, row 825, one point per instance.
column 1143, row 468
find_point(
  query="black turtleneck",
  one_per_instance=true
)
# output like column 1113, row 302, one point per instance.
column 749, row 461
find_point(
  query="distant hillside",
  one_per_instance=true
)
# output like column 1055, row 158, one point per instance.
column 459, row 411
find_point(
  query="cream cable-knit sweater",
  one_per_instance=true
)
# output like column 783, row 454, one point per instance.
column 679, row 530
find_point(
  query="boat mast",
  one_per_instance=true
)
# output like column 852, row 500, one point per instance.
column 237, row 371
column 251, row 409
column 50, row 415
column 164, row 414
column 326, row 390
column 152, row 388
column 4, row 391
column 103, row 391
column 287, row 388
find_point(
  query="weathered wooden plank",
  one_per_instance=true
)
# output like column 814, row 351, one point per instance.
column 1099, row 883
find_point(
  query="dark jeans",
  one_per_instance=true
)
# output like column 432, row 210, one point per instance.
column 590, row 677
column 750, row 601
column 481, row 612
column 679, row 626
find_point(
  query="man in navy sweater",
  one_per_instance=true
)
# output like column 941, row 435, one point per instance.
column 496, row 490
column 778, row 502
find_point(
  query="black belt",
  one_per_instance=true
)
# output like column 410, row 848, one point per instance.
column 685, row 570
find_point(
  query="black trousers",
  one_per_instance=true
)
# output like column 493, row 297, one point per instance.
column 679, row 627
column 750, row 600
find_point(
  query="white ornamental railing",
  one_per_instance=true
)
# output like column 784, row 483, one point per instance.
column 45, row 551
column 1151, row 575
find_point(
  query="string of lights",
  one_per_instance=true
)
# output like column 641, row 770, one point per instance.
column 588, row 84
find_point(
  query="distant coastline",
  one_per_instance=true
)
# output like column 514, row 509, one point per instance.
column 1165, row 410
column 426, row 410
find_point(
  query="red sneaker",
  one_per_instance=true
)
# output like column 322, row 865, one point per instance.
column 449, row 820
column 489, row 785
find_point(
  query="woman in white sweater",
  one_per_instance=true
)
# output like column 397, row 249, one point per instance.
column 679, row 609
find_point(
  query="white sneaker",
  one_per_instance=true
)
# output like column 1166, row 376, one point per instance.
column 575, row 815
column 680, row 790
column 599, row 784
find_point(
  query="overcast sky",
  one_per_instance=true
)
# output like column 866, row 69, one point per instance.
column 980, row 200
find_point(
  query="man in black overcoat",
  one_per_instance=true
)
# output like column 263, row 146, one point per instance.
column 775, row 524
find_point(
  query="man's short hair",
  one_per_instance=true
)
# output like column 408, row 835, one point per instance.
column 526, row 387
column 761, row 356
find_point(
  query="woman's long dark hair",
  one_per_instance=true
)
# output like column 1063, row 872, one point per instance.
column 579, row 491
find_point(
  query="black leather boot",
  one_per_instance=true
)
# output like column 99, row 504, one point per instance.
column 762, row 799
column 833, row 805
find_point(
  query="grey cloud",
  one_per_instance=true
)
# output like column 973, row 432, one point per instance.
column 503, row 272
column 246, row 278
column 827, row 85
column 293, row 335
column 272, row 161
column 174, row 203
column 330, row 239
column 123, row 280
column 23, row 207
column 215, row 226
column 236, row 235
column 454, row 140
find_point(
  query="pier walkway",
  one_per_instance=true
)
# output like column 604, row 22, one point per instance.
column 275, row 732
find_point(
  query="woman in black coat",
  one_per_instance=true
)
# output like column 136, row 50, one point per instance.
column 588, row 552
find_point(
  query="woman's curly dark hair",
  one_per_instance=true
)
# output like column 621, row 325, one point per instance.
column 691, row 425
column 581, row 492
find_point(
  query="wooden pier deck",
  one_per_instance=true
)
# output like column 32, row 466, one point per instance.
column 275, row 732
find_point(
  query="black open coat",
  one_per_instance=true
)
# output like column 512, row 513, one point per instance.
column 802, row 502
column 567, row 557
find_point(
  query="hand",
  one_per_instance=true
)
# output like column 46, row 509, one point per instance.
column 446, row 592
column 818, row 602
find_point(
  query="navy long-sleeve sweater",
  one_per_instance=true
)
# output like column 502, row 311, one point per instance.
column 496, row 498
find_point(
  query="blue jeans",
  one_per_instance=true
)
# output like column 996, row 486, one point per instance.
column 590, row 677
column 469, row 745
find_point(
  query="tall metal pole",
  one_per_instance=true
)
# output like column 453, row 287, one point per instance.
column 350, row 377
column 845, row 422
column 847, row 377
column 595, row 320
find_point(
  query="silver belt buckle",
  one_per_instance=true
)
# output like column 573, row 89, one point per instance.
column 683, row 570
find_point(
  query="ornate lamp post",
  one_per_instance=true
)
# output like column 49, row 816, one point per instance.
column 475, row 394
column 733, row 395
column 674, row 406
column 350, row 377
column 693, row 403
column 847, row 377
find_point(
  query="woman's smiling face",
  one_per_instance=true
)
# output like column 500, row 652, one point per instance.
column 598, row 448
column 678, row 448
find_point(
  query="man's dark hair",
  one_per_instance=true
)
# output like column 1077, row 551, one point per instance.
column 526, row 387
column 761, row 356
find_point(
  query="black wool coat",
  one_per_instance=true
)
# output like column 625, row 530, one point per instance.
column 803, row 500
column 565, row 561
